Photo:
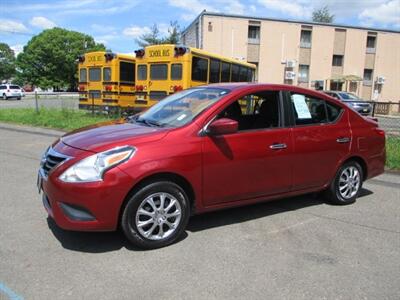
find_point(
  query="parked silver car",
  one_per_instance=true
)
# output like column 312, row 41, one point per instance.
column 358, row 104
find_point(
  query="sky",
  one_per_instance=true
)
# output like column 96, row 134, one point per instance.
column 118, row 24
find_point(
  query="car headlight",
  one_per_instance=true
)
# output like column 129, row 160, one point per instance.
column 92, row 168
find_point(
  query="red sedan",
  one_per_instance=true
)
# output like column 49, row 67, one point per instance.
column 203, row 149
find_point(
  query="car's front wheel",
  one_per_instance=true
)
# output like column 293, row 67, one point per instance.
column 347, row 184
column 156, row 215
column 4, row 97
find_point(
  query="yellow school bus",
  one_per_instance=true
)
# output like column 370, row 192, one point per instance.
column 162, row 70
column 106, row 80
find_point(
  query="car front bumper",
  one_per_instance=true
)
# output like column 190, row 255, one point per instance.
column 91, row 206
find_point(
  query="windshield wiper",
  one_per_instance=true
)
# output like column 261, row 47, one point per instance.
column 149, row 123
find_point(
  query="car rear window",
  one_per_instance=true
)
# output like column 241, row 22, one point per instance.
column 15, row 87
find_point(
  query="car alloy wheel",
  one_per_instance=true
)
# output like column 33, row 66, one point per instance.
column 158, row 216
column 346, row 185
column 349, row 182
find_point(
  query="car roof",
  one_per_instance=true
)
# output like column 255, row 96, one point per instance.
column 244, row 86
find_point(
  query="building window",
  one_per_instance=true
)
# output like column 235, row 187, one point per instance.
column 305, row 39
column 303, row 73
column 367, row 77
column 337, row 61
column 254, row 34
column 210, row 27
column 371, row 44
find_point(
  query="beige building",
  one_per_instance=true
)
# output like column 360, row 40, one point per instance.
column 364, row 61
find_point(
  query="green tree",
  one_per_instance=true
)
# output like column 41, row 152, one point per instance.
column 322, row 15
column 174, row 33
column 154, row 37
column 49, row 58
column 7, row 62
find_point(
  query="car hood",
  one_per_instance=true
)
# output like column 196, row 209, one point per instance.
column 102, row 136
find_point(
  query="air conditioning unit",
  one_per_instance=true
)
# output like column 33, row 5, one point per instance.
column 380, row 80
column 289, row 75
column 290, row 63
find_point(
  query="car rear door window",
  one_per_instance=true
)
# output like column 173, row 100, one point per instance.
column 308, row 110
column 333, row 111
column 142, row 72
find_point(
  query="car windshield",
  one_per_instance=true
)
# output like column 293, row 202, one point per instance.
column 181, row 108
column 348, row 96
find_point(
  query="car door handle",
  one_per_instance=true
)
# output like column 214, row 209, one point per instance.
column 278, row 146
column 343, row 140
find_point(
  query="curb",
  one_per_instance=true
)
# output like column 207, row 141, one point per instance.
column 32, row 130
column 393, row 172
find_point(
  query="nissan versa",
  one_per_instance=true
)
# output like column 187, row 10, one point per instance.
column 203, row 149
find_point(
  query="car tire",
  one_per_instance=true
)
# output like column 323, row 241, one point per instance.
column 4, row 97
column 19, row 98
column 346, row 185
column 156, row 215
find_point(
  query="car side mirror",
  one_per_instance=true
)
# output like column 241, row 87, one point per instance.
column 223, row 126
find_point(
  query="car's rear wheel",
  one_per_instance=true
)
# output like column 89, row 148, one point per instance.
column 19, row 98
column 156, row 215
column 4, row 97
column 347, row 184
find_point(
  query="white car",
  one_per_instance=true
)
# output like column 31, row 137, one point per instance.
column 10, row 91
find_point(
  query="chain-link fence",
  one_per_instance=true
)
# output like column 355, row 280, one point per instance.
column 387, row 113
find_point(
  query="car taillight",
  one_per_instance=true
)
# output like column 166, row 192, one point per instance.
column 139, row 88
column 81, row 87
column 379, row 131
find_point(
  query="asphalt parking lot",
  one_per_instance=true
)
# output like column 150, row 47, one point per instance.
column 297, row 248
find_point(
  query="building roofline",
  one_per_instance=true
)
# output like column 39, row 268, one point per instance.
column 207, row 13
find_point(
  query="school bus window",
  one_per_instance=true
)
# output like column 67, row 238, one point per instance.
column 126, row 71
column 250, row 75
column 214, row 71
column 199, row 69
column 83, row 75
column 176, row 71
column 142, row 72
column 106, row 74
column 158, row 71
column 94, row 74
column 243, row 74
column 235, row 73
column 225, row 72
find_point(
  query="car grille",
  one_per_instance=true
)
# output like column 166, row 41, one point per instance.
column 157, row 95
column 52, row 159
